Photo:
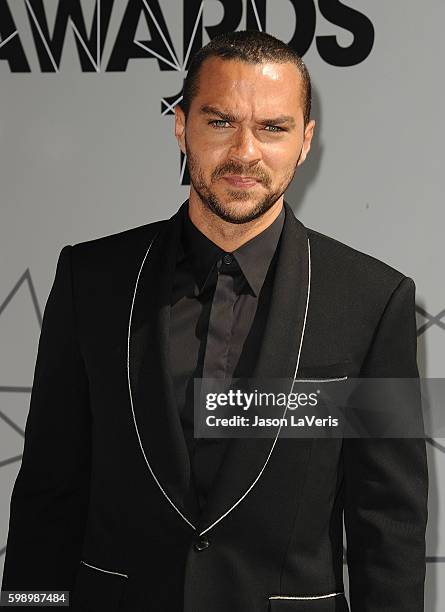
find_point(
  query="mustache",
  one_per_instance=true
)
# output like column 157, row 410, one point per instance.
column 235, row 168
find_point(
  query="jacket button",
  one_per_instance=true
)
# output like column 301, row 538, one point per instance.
column 201, row 543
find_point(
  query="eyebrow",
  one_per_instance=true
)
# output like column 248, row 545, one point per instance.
column 212, row 110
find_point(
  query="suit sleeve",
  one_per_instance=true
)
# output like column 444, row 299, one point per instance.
column 50, row 496
column 386, row 483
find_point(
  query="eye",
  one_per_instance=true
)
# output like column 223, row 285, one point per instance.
column 276, row 128
column 215, row 121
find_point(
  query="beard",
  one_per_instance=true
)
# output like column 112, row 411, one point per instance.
column 235, row 213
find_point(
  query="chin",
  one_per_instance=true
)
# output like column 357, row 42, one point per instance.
column 238, row 212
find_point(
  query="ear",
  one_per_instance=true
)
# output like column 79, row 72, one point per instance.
column 180, row 127
column 308, row 134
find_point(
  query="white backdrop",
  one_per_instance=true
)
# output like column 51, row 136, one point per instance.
column 88, row 149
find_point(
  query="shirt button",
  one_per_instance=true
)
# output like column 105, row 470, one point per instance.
column 227, row 259
column 201, row 543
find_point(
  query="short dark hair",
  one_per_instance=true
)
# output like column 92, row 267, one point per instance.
column 252, row 47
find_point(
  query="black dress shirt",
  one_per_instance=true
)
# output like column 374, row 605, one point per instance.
column 219, row 305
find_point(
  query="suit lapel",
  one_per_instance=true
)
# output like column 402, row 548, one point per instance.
column 246, row 458
column 154, row 409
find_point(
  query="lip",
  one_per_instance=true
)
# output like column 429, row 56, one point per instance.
column 241, row 181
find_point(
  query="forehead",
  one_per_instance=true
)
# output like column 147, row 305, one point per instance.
column 260, row 88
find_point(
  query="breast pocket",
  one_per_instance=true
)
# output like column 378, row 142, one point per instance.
column 334, row 371
column 332, row 602
column 98, row 589
column 332, row 385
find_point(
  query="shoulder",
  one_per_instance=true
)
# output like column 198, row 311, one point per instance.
column 350, row 270
column 125, row 246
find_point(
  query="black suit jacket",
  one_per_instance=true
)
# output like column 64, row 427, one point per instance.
column 102, row 504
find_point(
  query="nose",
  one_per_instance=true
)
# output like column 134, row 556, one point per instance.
column 245, row 146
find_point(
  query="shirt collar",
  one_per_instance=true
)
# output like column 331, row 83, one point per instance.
column 253, row 257
column 201, row 252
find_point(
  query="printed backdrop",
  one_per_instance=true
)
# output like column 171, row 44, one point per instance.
column 87, row 92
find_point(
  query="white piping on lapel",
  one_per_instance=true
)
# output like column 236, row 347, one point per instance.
column 279, row 429
column 285, row 410
column 104, row 570
column 131, row 395
column 307, row 597
column 320, row 379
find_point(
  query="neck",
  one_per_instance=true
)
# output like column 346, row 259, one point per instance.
column 229, row 236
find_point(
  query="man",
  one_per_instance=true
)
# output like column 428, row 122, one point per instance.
column 116, row 500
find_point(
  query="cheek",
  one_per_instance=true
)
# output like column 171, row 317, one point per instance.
column 213, row 153
column 202, row 164
column 211, row 160
column 203, row 140
column 205, row 150
column 281, row 162
column 280, row 156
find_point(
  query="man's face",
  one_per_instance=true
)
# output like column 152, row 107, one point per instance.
column 245, row 121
